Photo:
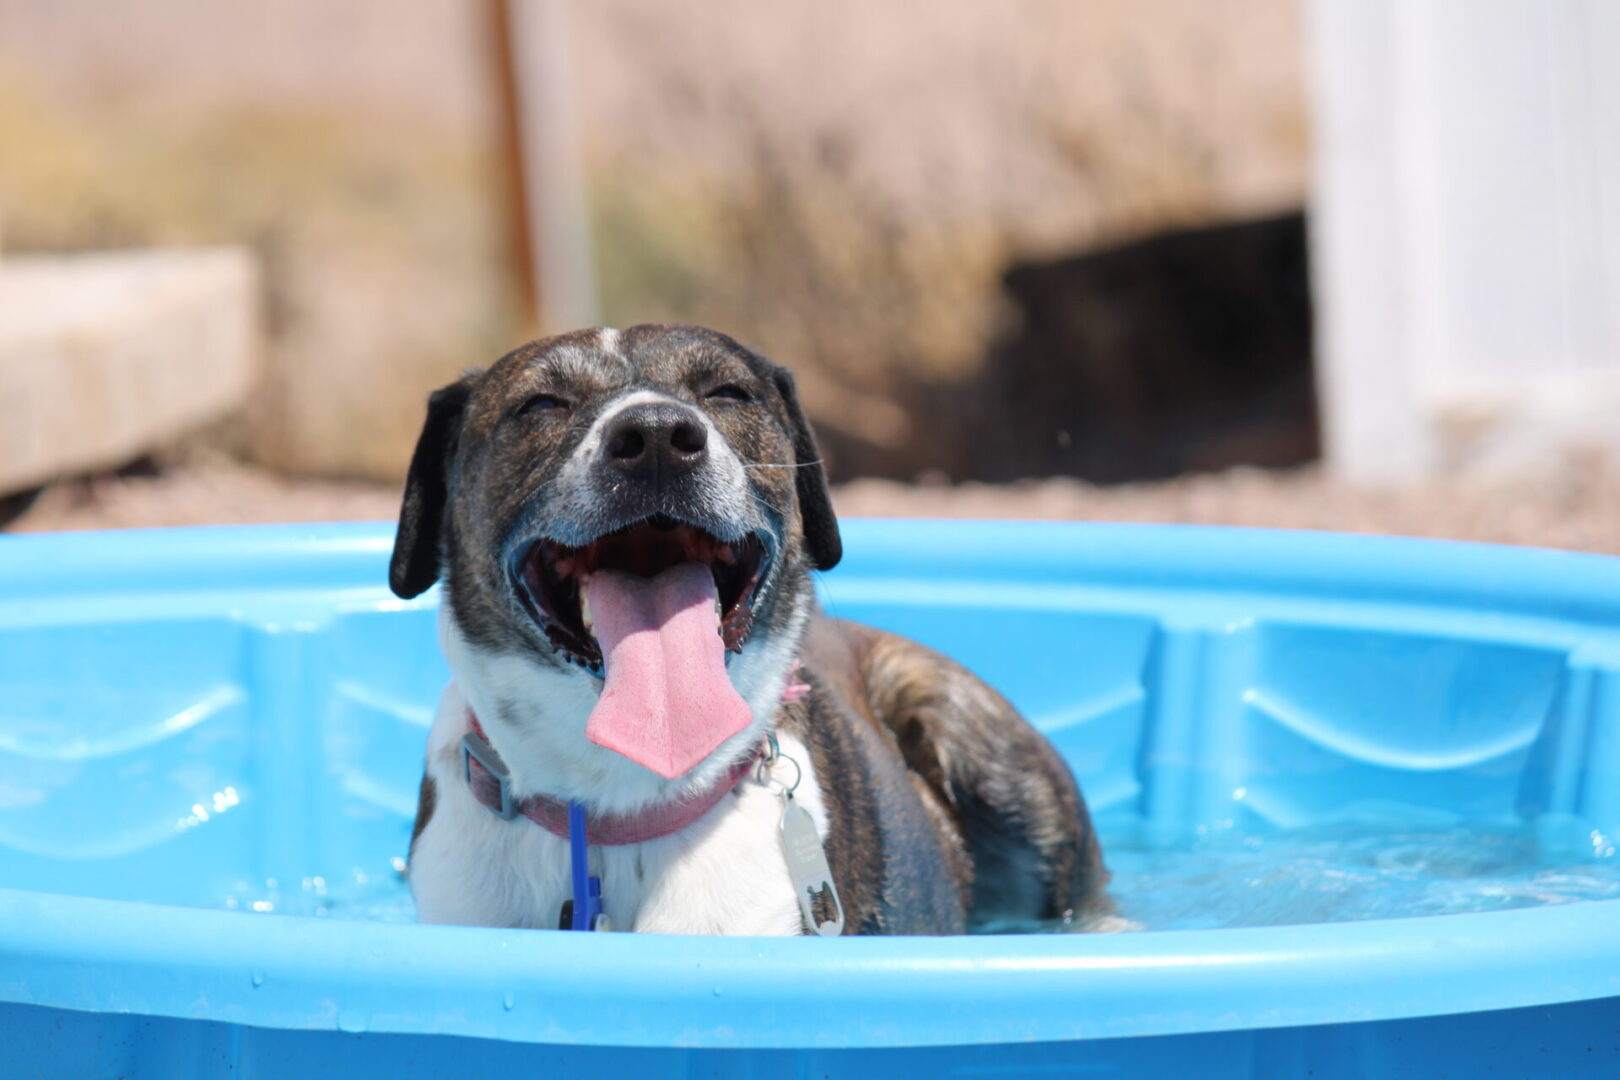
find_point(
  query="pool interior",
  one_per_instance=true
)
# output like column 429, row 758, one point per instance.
column 1296, row 765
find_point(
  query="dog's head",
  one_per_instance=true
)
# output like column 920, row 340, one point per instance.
column 593, row 498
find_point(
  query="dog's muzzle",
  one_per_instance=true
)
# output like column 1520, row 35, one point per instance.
column 652, row 610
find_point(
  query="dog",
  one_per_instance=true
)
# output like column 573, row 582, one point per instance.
column 626, row 523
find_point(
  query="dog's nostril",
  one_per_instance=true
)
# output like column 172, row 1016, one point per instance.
column 688, row 438
column 627, row 443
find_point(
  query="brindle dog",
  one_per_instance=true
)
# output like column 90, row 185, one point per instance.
column 626, row 523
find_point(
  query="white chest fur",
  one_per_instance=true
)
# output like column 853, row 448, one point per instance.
column 725, row 874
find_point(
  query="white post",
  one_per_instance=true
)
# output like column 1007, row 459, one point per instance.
column 1372, row 428
column 1466, row 220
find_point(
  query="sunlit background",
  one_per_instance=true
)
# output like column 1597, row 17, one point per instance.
column 1041, row 259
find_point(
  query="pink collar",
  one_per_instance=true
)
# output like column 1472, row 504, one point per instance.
column 489, row 780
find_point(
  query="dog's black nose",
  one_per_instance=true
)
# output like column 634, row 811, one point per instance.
column 657, row 439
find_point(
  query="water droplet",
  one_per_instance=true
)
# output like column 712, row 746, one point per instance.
column 718, row 991
column 508, row 1001
column 257, row 978
column 352, row 1022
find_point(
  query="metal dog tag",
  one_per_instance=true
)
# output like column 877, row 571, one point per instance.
column 807, row 866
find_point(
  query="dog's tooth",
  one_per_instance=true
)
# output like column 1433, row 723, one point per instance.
column 585, row 602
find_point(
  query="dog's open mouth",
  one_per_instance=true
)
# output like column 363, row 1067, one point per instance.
column 651, row 610
column 556, row 579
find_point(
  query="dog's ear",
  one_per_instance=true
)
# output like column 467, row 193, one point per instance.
column 415, row 565
column 815, row 503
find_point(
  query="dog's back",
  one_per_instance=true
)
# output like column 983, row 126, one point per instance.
column 1014, row 840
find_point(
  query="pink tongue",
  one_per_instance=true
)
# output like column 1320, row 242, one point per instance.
column 667, row 703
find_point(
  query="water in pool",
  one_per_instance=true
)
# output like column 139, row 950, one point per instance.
column 1331, row 873
column 1353, row 871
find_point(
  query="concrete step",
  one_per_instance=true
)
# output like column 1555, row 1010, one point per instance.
column 106, row 356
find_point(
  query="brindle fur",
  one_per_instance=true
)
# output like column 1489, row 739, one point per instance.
column 427, row 797
column 1019, row 838
column 944, row 807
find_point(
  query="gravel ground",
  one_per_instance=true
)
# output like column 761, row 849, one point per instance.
column 1581, row 511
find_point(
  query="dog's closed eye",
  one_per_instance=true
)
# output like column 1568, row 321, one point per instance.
column 541, row 403
column 729, row 392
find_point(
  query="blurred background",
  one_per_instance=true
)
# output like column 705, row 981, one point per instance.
column 1316, row 263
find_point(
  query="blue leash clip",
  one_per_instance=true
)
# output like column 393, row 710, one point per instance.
column 587, row 902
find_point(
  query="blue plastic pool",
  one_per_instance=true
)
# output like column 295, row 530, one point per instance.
column 210, row 742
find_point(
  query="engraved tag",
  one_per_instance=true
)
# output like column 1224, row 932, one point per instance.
column 807, row 866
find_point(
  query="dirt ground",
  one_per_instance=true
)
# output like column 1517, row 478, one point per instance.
column 1581, row 512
